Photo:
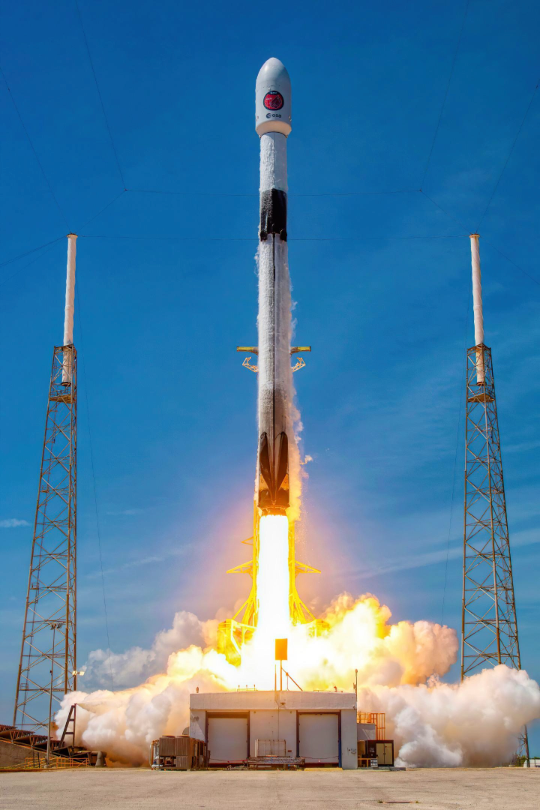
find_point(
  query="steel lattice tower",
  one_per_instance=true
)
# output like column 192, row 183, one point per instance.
column 48, row 665
column 489, row 621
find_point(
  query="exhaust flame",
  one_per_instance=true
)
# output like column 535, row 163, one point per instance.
column 273, row 620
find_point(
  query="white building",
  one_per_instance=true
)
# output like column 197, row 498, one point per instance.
column 317, row 726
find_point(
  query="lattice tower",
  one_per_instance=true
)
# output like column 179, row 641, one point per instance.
column 489, row 621
column 47, row 668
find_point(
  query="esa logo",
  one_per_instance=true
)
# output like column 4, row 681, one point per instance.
column 273, row 115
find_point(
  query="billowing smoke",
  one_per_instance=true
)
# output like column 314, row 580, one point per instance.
column 474, row 723
column 433, row 723
column 137, row 664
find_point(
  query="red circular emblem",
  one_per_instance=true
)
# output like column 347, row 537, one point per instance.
column 273, row 100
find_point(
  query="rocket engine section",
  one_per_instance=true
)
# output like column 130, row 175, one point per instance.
column 273, row 124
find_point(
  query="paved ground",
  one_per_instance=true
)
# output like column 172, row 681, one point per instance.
column 518, row 789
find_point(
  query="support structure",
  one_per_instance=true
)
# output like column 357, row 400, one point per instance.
column 48, row 665
column 489, row 622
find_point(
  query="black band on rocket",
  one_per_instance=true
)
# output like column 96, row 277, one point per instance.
column 273, row 213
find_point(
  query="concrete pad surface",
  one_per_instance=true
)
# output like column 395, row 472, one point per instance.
column 433, row 789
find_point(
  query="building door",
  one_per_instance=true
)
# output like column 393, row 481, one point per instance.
column 385, row 753
column 318, row 738
column 228, row 739
column 382, row 750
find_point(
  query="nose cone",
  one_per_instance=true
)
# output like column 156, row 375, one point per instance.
column 273, row 70
column 273, row 98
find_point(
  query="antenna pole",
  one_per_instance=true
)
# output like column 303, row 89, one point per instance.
column 477, row 307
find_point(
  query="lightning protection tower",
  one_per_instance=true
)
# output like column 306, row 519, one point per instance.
column 489, row 623
column 47, row 668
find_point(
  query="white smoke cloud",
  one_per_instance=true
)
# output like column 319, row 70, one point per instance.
column 433, row 723
column 124, row 723
column 474, row 723
column 106, row 669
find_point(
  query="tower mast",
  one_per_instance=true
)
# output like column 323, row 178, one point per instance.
column 48, row 665
column 488, row 620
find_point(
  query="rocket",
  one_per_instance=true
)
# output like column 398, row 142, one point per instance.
column 277, row 482
column 275, row 388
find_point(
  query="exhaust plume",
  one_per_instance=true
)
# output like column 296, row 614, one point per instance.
column 399, row 670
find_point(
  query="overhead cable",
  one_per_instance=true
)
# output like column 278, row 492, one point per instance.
column 525, row 273
column 448, row 214
column 33, row 250
column 100, row 96
column 233, row 194
column 99, row 213
column 254, row 238
column 446, row 93
column 508, row 259
column 454, row 473
column 98, row 528
column 16, row 273
column 496, row 186
column 32, row 147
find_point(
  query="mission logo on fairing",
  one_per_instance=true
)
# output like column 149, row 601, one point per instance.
column 273, row 100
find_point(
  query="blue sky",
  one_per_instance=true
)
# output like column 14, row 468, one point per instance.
column 167, row 289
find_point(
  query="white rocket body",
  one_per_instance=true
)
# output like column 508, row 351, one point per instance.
column 276, row 437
